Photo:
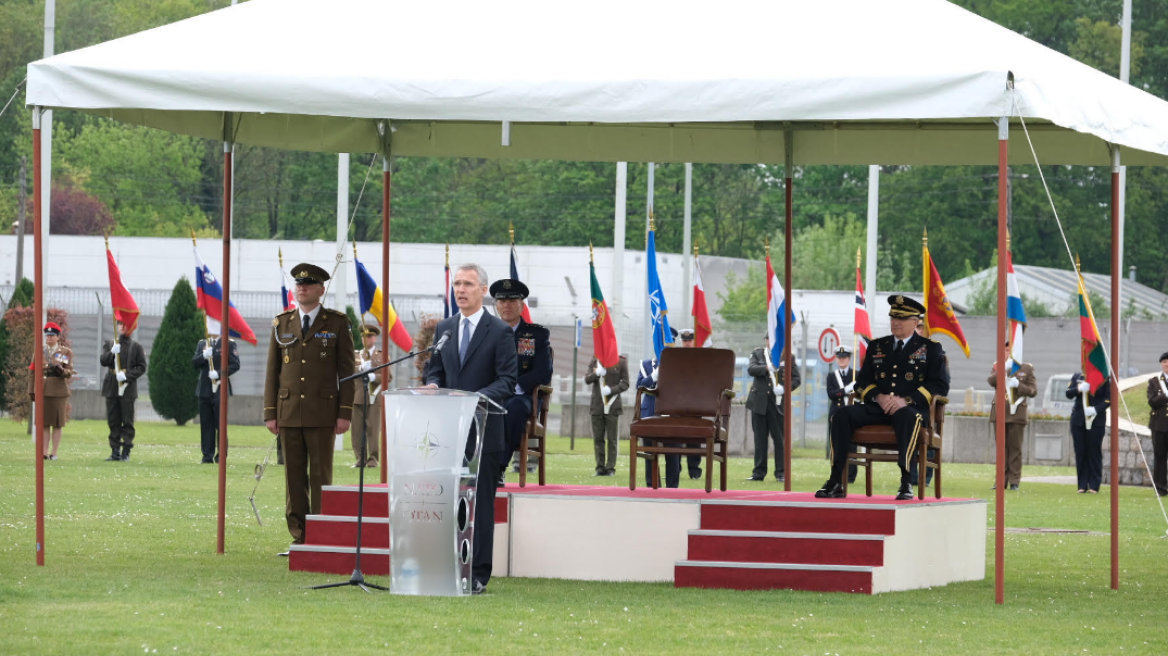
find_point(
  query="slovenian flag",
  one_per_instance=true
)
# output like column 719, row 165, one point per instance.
column 1015, row 313
column 210, row 298
column 370, row 300
column 286, row 298
column 776, row 307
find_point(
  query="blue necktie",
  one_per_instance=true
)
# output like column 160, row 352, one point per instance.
column 464, row 344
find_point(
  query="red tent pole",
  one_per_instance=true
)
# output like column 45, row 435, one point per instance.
column 1000, row 392
column 38, row 356
column 788, row 238
column 224, row 332
column 385, row 189
column 1115, row 404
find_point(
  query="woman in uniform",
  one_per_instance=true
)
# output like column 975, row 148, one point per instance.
column 58, row 371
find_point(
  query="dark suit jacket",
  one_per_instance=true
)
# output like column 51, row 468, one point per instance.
column 1100, row 401
column 617, row 379
column 490, row 368
column 835, row 391
column 203, row 387
column 133, row 360
column 1159, row 404
column 762, row 390
column 1027, row 387
column 533, row 349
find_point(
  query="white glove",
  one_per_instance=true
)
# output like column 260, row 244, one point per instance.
column 365, row 365
column 600, row 371
column 849, row 388
column 1090, row 412
column 606, row 390
column 208, row 354
column 213, row 375
column 1084, row 387
column 779, row 390
column 1012, row 382
column 1009, row 364
column 116, row 348
column 371, row 377
column 121, row 376
column 655, row 370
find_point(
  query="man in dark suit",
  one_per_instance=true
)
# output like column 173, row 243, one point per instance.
column 647, row 378
column 534, row 360
column 1158, row 424
column 901, row 374
column 840, row 383
column 766, row 413
column 206, row 360
column 120, row 389
column 483, row 360
column 1088, row 441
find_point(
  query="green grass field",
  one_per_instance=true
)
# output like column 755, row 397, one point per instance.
column 131, row 568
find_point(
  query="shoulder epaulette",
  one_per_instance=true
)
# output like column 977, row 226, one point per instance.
column 536, row 326
column 288, row 312
column 336, row 312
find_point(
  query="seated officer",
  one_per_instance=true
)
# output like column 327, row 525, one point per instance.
column 900, row 376
column 533, row 346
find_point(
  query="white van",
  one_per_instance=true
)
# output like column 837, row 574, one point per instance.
column 1054, row 397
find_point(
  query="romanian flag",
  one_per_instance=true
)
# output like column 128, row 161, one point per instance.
column 863, row 327
column 701, row 315
column 124, row 306
column 370, row 300
column 939, row 316
column 1094, row 359
column 603, row 334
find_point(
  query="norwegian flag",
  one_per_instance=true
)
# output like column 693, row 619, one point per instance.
column 863, row 328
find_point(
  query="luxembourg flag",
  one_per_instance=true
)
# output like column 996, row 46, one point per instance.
column 210, row 298
column 1015, row 313
column 776, row 306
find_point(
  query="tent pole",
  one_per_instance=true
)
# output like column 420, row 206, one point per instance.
column 224, row 328
column 789, row 172
column 1000, row 371
column 38, row 357
column 1116, row 275
column 384, row 318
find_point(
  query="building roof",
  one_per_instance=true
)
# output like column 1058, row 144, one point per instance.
column 1057, row 287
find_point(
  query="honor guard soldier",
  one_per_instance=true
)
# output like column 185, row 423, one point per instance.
column 1158, row 423
column 900, row 376
column 1087, row 429
column 127, row 363
column 840, row 384
column 58, row 370
column 310, row 351
column 766, row 411
column 208, row 355
column 534, row 350
column 368, row 357
column 1019, row 385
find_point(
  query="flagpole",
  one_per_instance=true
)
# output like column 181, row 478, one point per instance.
column 386, row 174
column 788, row 347
column 1000, row 349
column 117, row 337
column 225, row 319
column 855, row 338
column 1116, row 276
column 38, row 209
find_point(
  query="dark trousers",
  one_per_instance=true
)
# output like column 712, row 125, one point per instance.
column 514, row 423
column 1160, row 461
column 1089, row 454
column 769, row 424
column 830, row 417
column 907, row 423
column 119, row 414
column 308, row 466
column 604, row 441
column 209, row 426
column 693, row 464
column 914, row 476
column 672, row 467
column 484, row 519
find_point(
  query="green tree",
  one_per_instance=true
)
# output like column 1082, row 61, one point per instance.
column 22, row 296
column 172, row 378
column 745, row 301
column 354, row 325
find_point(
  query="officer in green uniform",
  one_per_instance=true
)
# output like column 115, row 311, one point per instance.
column 310, row 351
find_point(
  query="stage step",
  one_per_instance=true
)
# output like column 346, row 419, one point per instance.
column 341, row 531
column 797, row 517
column 341, row 500
column 337, row 560
column 786, row 547
column 768, row 576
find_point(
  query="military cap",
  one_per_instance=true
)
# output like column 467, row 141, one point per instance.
column 51, row 328
column 370, row 330
column 506, row 288
column 309, row 274
column 1163, row 357
column 687, row 335
column 843, row 352
column 903, row 307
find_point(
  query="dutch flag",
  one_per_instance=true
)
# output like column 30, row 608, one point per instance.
column 776, row 306
column 1016, row 314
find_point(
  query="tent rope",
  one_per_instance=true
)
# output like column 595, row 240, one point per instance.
column 1107, row 356
column 340, row 257
column 14, row 94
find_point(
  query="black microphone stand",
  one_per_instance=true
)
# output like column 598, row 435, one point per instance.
column 358, row 577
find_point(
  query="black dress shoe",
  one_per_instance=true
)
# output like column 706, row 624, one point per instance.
column 114, row 456
column 695, row 474
column 905, row 493
column 756, row 478
column 779, row 477
column 283, row 554
column 502, row 481
column 600, row 473
column 477, row 588
column 831, row 491
column 1014, row 486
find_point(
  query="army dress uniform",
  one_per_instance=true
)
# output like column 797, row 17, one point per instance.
column 371, row 421
column 912, row 369
column 1158, row 424
column 605, row 425
column 1016, row 418
column 303, row 395
column 57, row 372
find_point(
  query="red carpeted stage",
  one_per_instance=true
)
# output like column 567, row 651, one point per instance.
column 739, row 539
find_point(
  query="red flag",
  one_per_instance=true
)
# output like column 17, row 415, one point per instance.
column 939, row 316
column 603, row 334
column 862, row 328
column 125, row 309
column 701, row 315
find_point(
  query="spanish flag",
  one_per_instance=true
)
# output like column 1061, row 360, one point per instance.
column 939, row 316
column 370, row 300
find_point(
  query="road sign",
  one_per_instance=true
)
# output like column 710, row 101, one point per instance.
column 829, row 341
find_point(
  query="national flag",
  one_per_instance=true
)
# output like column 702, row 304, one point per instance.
column 863, row 328
column 1015, row 313
column 603, row 334
column 658, row 309
column 286, row 298
column 1094, row 359
column 526, row 314
column 939, row 315
column 701, row 315
column 369, row 299
column 776, row 308
column 448, row 297
column 123, row 304
column 209, row 295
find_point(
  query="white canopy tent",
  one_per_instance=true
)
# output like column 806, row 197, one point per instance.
column 801, row 83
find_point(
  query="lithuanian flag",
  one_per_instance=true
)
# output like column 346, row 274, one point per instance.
column 370, row 300
column 1094, row 359
column 603, row 335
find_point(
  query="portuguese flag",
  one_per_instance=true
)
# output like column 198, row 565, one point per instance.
column 603, row 334
column 1094, row 360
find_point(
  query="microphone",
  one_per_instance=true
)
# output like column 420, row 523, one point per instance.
column 441, row 341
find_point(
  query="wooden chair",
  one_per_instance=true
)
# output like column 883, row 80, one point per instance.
column 692, row 408
column 880, row 442
column 534, row 441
